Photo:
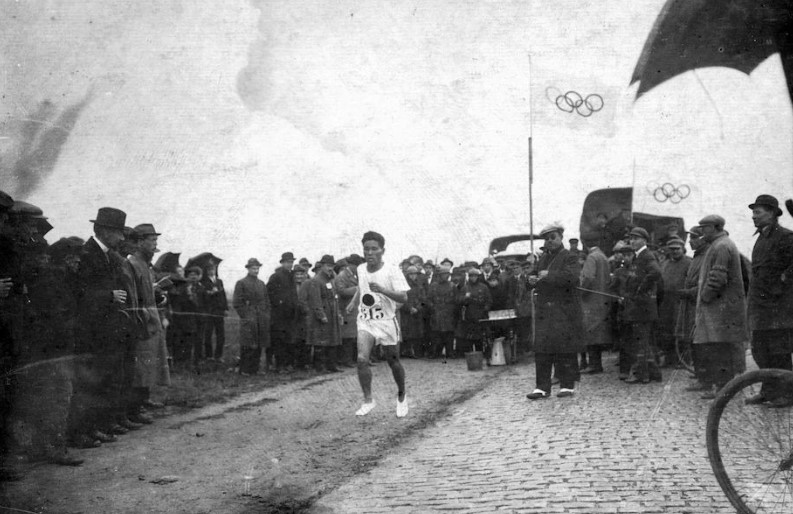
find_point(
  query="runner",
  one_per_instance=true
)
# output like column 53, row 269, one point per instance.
column 382, row 288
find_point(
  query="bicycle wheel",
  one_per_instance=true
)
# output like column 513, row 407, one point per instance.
column 750, row 447
column 684, row 354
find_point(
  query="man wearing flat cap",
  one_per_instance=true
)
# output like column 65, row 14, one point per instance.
column 150, row 356
column 324, row 317
column 720, row 320
column 283, row 321
column 558, row 316
column 346, row 283
column 673, row 275
column 641, row 309
column 771, row 295
column 252, row 303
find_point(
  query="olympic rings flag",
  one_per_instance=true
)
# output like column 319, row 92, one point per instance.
column 574, row 102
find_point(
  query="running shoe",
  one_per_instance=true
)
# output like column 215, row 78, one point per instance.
column 402, row 407
column 365, row 408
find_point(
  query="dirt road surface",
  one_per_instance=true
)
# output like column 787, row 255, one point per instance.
column 274, row 450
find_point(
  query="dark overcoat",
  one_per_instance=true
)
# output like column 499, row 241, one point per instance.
column 558, row 316
column 674, row 278
column 283, row 300
column 474, row 301
column 324, row 318
column 641, row 289
column 595, row 276
column 771, row 286
column 252, row 303
column 687, row 309
column 442, row 306
column 412, row 324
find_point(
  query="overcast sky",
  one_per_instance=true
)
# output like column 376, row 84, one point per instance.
column 250, row 129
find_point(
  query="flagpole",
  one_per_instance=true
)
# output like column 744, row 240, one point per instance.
column 531, row 165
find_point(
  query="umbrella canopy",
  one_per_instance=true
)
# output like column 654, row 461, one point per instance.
column 203, row 260
column 167, row 262
column 691, row 34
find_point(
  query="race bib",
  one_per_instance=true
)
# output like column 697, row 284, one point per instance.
column 370, row 307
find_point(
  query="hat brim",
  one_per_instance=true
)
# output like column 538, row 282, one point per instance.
column 777, row 210
column 119, row 227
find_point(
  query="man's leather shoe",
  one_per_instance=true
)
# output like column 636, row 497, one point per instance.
column 64, row 459
column 117, row 429
column 150, row 404
column 83, row 441
column 141, row 419
column 591, row 371
column 756, row 399
column 103, row 437
column 636, row 380
column 130, row 425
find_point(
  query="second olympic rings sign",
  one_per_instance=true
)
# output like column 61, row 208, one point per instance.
column 668, row 191
column 573, row 101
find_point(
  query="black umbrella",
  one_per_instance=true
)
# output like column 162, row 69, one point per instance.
column 203, row 260
column 167, row 262
column 691, row 34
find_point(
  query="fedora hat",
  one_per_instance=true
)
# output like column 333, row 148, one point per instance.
column 110, row 217
column 287, row 256
column 253, row 261
column 355, row 260
column 145, row 229
column 767, row 201
column 327, row 259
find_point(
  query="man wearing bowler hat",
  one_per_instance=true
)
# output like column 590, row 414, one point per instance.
column 771, row 296
column 641, row 309
column 104, row 328
column 283, row 321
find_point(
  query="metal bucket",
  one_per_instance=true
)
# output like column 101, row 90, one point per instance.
column 474, row 360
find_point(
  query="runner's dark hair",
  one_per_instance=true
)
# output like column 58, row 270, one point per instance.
column 373, row 236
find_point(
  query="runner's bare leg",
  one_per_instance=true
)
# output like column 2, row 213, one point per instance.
column 392, row 357
column 365, row 345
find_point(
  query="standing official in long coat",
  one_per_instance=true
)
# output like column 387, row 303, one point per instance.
column 252, row 303
column 720, row 325
column 641, row 309
column 596, row 277
column 150, row 366
column 673, row 274
column 283, row 321
column 558, row 316
column 324, row 317
column 771, row 295
column 442, row 306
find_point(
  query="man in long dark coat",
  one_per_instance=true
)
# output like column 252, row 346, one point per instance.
column 595, row 276
column 252, row 303
column 215, row 306
column 771, row 295
column 324, row 317
column 684, row 328
column 283, row 321
column 673, row 273
column 442, row 307
column 105, row 326
column 558, row 316
column 641, row 309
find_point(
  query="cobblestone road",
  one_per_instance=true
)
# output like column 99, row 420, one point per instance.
column 613, row 448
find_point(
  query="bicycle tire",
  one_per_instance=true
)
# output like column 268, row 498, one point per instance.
column 684, row 354
column 750, row 447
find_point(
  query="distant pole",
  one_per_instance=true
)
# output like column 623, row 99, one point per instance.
column 531, row 165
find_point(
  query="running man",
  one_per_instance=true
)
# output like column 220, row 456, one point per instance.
column 382, row 289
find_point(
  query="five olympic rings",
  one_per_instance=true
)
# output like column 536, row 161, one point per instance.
column 585, row 106
column 668, row 191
